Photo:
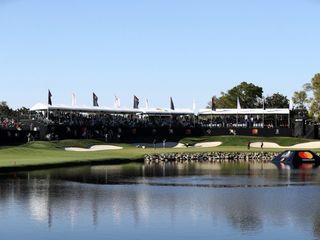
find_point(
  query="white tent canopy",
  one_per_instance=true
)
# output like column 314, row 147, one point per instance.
column 161, row 111
column 164, row 111
column 148, row 111
column 45, row 107
column 243, row 111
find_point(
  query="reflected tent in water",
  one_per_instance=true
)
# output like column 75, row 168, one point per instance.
column 235, row 200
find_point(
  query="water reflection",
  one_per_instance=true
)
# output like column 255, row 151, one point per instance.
column 232, row 199
column 182, row 174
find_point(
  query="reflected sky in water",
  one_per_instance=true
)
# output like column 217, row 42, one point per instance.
column 172, row 201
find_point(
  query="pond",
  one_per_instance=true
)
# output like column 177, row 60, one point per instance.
column 161, row 201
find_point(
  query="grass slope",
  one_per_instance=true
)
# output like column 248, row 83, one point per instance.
column 243, row 140
column 41, row 152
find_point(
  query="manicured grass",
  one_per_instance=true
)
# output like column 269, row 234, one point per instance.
column 243, row 140
column 41, row 152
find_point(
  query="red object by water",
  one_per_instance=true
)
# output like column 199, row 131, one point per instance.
column 305, row 155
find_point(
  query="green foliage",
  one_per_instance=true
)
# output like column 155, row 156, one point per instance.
column 6, row 111
column 249, row 95
column 214, row 100
column 22, row 112
column 315, row 101
column 277, row 100
column 305, row 103
column 300, row 99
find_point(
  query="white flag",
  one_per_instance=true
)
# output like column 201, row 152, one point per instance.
column 117, row 103
column 238, row 103
column 290, row 104
column 74, row 100
column 194, row 105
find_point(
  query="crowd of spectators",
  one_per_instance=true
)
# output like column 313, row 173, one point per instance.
column 8, row 123
column 140, row 121
column 112, row 121
column 243, row 122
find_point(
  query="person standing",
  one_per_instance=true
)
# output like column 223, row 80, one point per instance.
column 262, row 145
column 154, row 143
column 164, row 143
column 249, row 143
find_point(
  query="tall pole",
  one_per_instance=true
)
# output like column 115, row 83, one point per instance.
column 263, row 108
column 237, row 119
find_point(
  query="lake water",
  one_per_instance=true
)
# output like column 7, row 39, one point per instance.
column 171, row 201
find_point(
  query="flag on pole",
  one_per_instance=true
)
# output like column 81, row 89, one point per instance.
column 49, row 98
column 147, row 103
column 171, row 104
column 238, row 103
column 73, row 100
column 213, row 103
column 95, row 100
column 290, row 104
column 135, row 102
column 117, row 102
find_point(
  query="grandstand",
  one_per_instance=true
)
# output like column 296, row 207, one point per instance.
column 244, row 118
column 122, row 124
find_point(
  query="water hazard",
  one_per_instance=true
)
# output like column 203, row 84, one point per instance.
column 161, row 201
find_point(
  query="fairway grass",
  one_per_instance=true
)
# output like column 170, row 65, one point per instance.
column 52, row 153
column 243, row 140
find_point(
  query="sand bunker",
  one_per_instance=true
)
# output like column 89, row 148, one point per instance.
column 159, row 145
column 94, row 148
column 177, row 145
column 309, row 145
column 208, row 144
column 180, row 145
column 265, row 145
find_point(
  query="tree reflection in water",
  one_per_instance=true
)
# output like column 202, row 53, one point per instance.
column 243, row 198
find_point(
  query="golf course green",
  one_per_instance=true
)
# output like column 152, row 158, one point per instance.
column 44, row 153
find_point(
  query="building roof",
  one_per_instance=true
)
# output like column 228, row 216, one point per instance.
column 147, row 111
column 161, row 111
column 244, row 111
column 45, row 107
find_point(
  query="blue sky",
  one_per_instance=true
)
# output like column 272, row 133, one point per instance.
column 154, row 49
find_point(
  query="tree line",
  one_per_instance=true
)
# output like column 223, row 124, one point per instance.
column 305, row 102
column 308, row 98
column 7, row 112
column 249, row 96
